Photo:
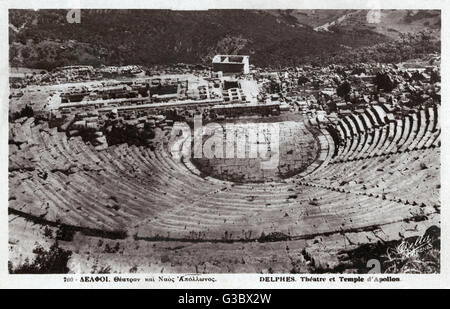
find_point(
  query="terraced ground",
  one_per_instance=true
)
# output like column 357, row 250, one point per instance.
column 373, row 180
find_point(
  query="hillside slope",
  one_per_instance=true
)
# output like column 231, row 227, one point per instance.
column 391, row 23
column 164, row 37
column 44, row 39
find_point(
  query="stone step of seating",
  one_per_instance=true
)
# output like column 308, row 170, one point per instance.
column 437, row 141
column 406, row 132
column 365, row 122
column 364, row 137
column 354, row 145
column 357, row 123
column 423, row 126
column 361, row 145
column 433, row 137
column 431, row 124
column 342, row 151
column 349, row 175
column 382, row 140
column 373, row 118
column 399, row 132
column 185, row 174
column 331, row 146
column 347, row 170
column 371, row 141
column 351, row 125
column 330, row 214
column 342, row 148
column 121, row 155
column 413, row 132
column 70, row 197
column 379, row 113
column 436, row 113
column 390, row 135
column 344, row 130
column 93, row 200
column 375, row 142
column 435, row 129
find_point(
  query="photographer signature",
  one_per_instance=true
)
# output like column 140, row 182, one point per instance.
column 409, row 249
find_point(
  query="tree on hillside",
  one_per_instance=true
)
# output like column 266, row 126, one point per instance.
column 384, row 82
column 27, row 111
column 343, row 90
column 302, row 80
column 51, row 261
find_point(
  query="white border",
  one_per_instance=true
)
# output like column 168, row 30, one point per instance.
column 224, row 280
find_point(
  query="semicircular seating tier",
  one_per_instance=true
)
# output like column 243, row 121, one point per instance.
column 364, row 176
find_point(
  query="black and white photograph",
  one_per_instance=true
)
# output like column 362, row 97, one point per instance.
column 224, row 141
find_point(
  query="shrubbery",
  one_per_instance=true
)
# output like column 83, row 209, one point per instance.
column 51, row 261
column 27, row 111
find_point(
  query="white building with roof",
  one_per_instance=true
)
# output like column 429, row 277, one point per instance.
column 231, row 64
